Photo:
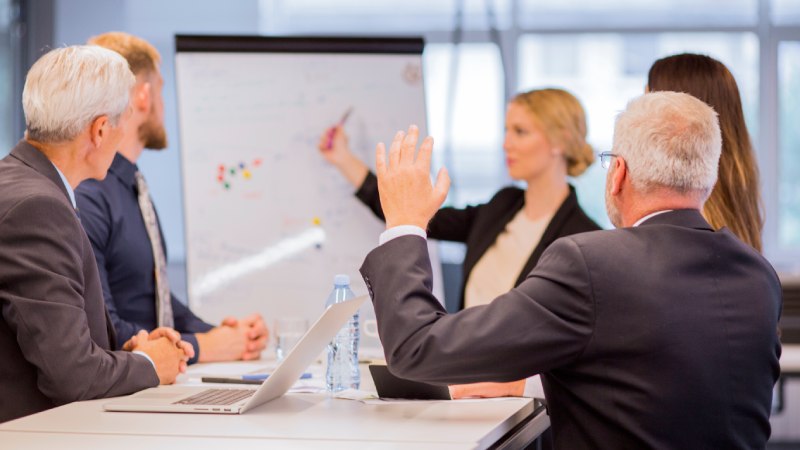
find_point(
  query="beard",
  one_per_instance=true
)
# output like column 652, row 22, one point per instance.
column 153, row 134
column 612, row 210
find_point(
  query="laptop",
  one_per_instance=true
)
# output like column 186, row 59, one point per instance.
column 198, row 399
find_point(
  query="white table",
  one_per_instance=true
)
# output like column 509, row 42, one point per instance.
column 61, row 441
column 790, row 359
column 790, row 368
column 291, row 421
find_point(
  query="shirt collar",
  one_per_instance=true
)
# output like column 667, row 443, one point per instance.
column 70, row 192
column 649, row 216
column 124, row 170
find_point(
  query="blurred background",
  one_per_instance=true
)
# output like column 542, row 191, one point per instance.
column 478, row 54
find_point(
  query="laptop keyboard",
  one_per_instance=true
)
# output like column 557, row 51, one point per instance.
column 217, row 397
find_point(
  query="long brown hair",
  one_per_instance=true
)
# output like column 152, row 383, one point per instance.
column 735, row 201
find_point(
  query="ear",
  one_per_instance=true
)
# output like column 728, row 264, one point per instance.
column 141, row 96
column 619, row 174
column 557, row 143
column 98, row 130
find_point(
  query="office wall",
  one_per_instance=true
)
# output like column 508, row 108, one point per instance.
column 158, row 21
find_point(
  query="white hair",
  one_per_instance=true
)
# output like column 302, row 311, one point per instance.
column 670, row 140
column 69, row 87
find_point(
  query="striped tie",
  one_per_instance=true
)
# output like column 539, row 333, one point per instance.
column 163, row 298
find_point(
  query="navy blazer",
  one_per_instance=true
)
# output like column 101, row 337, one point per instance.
column 478, row 226
column 55, row 337
column 658, row 336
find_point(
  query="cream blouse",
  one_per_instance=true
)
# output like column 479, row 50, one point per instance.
column 498, row 268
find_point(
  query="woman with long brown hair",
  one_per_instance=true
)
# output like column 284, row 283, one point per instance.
column 735, row 201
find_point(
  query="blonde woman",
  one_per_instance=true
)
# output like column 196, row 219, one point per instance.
column 545, row 141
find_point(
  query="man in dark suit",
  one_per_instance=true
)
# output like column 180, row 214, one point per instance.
column 55, row 339
column 659, row 334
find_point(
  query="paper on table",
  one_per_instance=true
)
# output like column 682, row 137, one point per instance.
column 301, row 388
column 229, row 369
column 355, row 394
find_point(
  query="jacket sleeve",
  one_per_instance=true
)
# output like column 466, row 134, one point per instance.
column 186, row 321
column 96, row 221
column 448, row 224
column 544, row 323
column 188, row 324
column 44, row 306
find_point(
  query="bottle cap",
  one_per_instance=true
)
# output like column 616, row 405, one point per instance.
column 341, row 280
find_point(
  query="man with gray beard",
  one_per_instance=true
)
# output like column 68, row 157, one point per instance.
column 661, row 333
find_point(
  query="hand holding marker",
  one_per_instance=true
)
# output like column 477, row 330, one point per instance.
column 332, row 131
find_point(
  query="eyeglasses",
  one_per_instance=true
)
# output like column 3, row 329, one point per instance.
column 605, row 159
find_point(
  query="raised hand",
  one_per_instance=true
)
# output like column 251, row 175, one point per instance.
column 407, row 195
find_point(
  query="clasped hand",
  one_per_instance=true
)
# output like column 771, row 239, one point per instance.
column 404, row 184
column 235, row 339
column 165, row 348
column 255, row 333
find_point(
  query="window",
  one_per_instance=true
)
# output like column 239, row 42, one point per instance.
column 377, row 17
column 600, row 51
column 785, row 12
column 473, row 156
column 789, row 144
column 611, row 68
column 639, row 13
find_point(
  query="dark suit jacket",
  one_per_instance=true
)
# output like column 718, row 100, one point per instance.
column 659, row 336
column 55, row 338
column 478, row 226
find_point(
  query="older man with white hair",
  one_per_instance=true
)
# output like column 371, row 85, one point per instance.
column 55, row 339
column 659, row 334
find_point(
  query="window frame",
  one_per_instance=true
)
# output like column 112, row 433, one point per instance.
column 766, row 146
column 784, row 258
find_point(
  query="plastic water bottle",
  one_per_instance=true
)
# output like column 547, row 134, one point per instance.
column 342, row 370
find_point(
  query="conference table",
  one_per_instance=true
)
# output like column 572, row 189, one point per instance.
column 790, row 360
column 296, row 420
column 790, row 370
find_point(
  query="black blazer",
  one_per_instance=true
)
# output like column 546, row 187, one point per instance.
column 478, row 226
column 55, row 337
column 658, row 336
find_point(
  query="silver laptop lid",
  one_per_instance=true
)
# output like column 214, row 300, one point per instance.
column 304, row 352
column 282, row 378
